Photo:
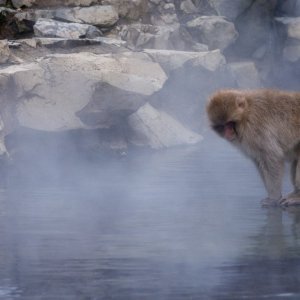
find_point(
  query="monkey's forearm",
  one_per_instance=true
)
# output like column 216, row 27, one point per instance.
column 272, row 174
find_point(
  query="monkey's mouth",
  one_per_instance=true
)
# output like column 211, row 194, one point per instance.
column 220, row 128
column 227, row 130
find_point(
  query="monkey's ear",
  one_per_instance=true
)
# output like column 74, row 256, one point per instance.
column 241, row 102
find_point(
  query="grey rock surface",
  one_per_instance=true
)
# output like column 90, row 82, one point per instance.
column 63, row 92
column 52, row 28
column 215, row 31
column 147, row 123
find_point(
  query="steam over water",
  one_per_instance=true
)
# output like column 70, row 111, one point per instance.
column 177, row 224
column 184, row 223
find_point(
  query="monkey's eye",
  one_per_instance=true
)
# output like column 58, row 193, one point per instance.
column 218, row 128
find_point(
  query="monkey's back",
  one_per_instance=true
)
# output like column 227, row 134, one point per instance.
column 274, row 117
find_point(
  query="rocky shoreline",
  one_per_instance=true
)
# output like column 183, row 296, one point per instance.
column 141, row 69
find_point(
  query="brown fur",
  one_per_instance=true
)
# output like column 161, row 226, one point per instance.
column 267, row 129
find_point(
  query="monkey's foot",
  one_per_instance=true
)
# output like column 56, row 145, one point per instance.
column 290, row 200
column 268, row 202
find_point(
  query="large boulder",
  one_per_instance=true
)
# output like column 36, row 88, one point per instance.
column 171, row 60
column 9, row 99
column 163, row 13
column 32, row 15
column 84, row 90
column 63, row 92
column 47, row 3
column 290, row 29
column 147, row 36
column 174, row 37
column 21, row 3
column 52, row 28
column 215, row 31
column 190, row 8
column 157, row 129
column 131, row 10
column 99, row 15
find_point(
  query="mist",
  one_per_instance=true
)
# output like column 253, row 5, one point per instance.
column 113, row 186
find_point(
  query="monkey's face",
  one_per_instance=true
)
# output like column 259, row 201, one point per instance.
column 225, row 111
column 227, row 130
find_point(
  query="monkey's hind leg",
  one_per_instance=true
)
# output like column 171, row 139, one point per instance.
column 293, row 198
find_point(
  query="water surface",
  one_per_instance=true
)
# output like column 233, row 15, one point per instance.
column 184, row 223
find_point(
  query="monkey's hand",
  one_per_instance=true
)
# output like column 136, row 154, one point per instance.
column 269, row 202
column 292, row 199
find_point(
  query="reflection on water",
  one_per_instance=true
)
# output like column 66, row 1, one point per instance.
column 178, row 224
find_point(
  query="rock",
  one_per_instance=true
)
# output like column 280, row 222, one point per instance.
column 291, row 26
column 188, row 7
column 76, row 2
column 102, row 16
column 83, row 90
column 291, row 29
column 147, row 36
column 245, row 74
column 164, row 14
column 156, row 2
column 67, row 43
column 58, row 3
column 181, row 39
column 185, row 93
column 147, row 123
column 171, row 59
column 129, row 91
column 21, row 3
column 289, row 8
column 29, row 42
column 99, row 15
column 260, row 52
column 111, row 41
column 291, row 53
column 211, row 60
column 2, row 2
column 51, row 28
column 14, row 44
column 137, row 55
column 4, row 51
column 33, row 15
column 214, row 31
column 230, row 9
column 9, row 27
column 131, row 10
column 256, row 27
column 143, row 36
column 9, row 99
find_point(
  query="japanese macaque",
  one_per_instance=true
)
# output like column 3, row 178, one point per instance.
column 265, row 125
